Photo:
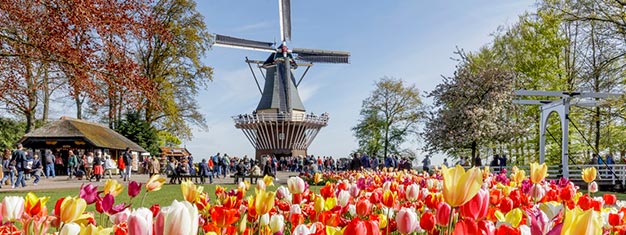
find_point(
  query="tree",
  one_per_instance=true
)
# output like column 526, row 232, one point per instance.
column 471, row 106
column 139, row 131
column 171, row 59
column 10, row 132
column 389, row 115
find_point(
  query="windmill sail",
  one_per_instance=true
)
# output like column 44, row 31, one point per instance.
column 322, row 56
column 228, row 41
column 284, row 10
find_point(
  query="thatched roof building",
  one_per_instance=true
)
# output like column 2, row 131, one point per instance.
column 174, row 152
column 74, row 133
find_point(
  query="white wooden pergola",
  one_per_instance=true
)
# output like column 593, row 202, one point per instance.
column 561, row 106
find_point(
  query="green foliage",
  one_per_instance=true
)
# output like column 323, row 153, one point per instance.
column 10, row 132
column 168, row 139
column 140, row 132
column 388, row 117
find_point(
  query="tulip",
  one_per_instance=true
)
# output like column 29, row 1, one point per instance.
column 264, row 201
column 389, row 199
column 477, row 207
column 71, row 209
column 155, row 183
column 427, row 222
column 589, row 174
column 407, row 221
column 34, row 205
column 296, row 185
column 593, row 187
column 191, row 192
column 12, row 208
column 89, row 192
column 538, row 172
column 277, row 223
column 518, row 176
column 302, row 229
column 178, row 218
column 112, row 187
column 609, row 199
column 615, row 219
column 344, row 198
column 318, row 204
column 122, row 216
column 551, row 209
column 443, row 214
column 224, row 217
column 352, row 210
column 537, row 191
column 354, row 190
column 486, row 227
column 264, row 220
column 133, row 189
column 513, row 217
column 412, row 192
column 466, row 226
column 460, row 186
column 360, row 227
column 268, row 180
column 260, row 185
column 140, row 222
column 70, row 229
column 363, row 207
column 577, row 221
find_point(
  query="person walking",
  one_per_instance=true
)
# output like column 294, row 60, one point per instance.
column 426, row 162
column 72, row 163
column 155, row 166
column 109, row 165
column 203, row 171
column 97, row 167
column 49, row 160
column 19, row 156
column 127, row 158
column 121, row 166
column 36, row 169
column 88, row 165
column 8, row 169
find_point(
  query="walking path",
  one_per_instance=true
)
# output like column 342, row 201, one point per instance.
column 62, row 182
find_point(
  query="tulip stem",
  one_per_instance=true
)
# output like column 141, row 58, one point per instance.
column 450, row 221
column 143, row 198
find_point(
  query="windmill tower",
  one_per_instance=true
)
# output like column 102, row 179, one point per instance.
column 280, row 125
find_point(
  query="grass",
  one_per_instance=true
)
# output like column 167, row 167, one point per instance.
column 164, row 197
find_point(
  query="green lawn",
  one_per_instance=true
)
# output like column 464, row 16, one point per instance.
column 164, row 197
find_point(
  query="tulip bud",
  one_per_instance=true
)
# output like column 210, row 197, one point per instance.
column 260, row 185
column 352, row 210
column 443, row 214
column 412, row 192
column 70, row 229
column 277, row 223
column 296, row 185
column 407, row 221
column 13, row 208
column 265, row 219
column 593, row 187
column 344, row 198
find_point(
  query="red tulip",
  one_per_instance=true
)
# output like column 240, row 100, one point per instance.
column 89, row 192
column 363, row 207
column 361, row 227
column 609, row 199
column 466, row 226
column 443, row 214
column 486, row 227
column 133, row 189
column 477, row 207
column 224, row 217
column 389, row 199
column 376, row 197
column 506, row 205
column 433, row 200
column 155, row 209
column 615, row 219
column 507, row 230
column 427, row 222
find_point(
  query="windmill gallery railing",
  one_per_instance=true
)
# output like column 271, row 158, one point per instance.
column 608, row 175
column 280, row 130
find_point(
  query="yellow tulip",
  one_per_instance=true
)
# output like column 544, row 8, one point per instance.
column 330, row 203
column 577, row 221
column 334, row 230
column 93, row 230
column 517, row 176
column 191, row 192
column 268, row 180
column 155, row 183
column 317, row 177
column 513, row 217
column 264, row 201
column 589, row 174
column 112, row 187
column 538, row 172
column 34, row 205
column 318, row 205
column 382, row 221
column 71, row 209
column 460, row 186
column 486, row 171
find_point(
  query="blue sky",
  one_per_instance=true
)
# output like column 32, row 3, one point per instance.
column 411, row 40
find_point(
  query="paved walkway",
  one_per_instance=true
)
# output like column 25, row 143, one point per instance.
column 62, row 182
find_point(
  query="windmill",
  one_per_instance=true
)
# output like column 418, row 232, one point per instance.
column 280, row 125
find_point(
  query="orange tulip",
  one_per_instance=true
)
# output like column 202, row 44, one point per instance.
column 538, row 172
column 460, row 186
column 34, row 205
column 389, row 199
column 224, row 217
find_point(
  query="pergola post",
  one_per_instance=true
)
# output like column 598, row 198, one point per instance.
column 561, row 107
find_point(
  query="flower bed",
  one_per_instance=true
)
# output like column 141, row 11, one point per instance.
column 453, row 201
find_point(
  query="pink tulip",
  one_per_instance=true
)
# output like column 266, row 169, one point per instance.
column 412, row 192
column 296, row 185
column 89, row 192
column 133, row 189
column 443, row 214
column 180, row 218
column 537, row 191
column 407, row 221
column 12, row 208
column 476, row 208
column 354, row 190
column 140, row 222
column 120, row 217
column 593, row 187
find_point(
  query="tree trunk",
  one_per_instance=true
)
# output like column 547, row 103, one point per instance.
column 474, row 152
column 79, row 106
column 46, row 97
column 597, row 140
column 386, row 140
